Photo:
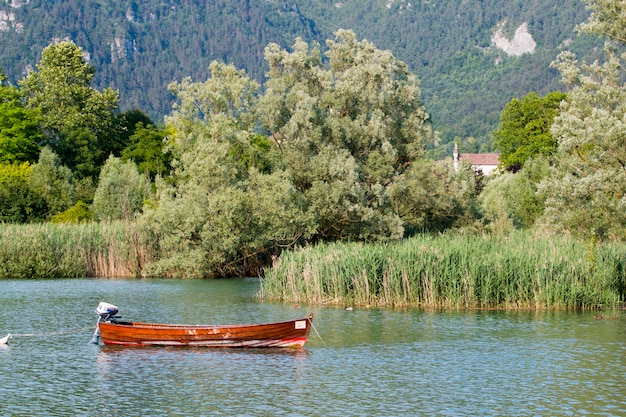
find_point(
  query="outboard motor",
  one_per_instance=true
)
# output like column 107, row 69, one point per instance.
column 106, row 310
column 107, row 313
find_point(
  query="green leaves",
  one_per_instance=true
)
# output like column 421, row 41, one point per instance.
column 53, row 181
column 147, row 150
column 121, row 191
column 344, row 130
column 19, row 132
column 524, row 131
column 18, row 202
column 77, row 120
column 586, row 193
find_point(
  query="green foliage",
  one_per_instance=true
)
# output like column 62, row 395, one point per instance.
column 256, row 153
column 511, row 200
column 78, row 121
column 344, row 131
column 53, row 181
column 432, row 196
column 586, row 192
column 221, row 212
column 19, row 133
column 18, row 202
column 146, row 148
column 78, row 213
column 524, row 132
column 121, row 191
column 452, row 271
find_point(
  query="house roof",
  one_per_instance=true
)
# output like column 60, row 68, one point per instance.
column 481, row 158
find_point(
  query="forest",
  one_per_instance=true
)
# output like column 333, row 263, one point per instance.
column 140, row 47
column 331, row 148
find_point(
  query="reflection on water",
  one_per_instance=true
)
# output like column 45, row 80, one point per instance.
column 207, row 380
column 369, row 363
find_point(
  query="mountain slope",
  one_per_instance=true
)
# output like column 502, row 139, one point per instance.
column 465, row 52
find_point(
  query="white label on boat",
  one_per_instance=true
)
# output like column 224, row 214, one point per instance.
column 301, row 324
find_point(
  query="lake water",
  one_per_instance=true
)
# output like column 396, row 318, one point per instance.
column 364, row 362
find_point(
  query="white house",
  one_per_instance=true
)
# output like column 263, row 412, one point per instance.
column 487, row 163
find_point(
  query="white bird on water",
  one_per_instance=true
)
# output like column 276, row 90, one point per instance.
column 5, row 339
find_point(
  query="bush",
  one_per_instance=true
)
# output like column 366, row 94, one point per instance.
column 79, row 213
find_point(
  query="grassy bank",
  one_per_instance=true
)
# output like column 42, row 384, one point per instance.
column 427, row 271
column 70, row 250
column 453, row 272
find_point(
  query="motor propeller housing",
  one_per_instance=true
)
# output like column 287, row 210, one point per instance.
column 106, row 310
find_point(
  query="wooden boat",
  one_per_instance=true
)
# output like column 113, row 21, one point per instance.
column 286, row 334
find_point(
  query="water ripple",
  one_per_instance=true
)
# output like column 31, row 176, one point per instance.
column 370, row 362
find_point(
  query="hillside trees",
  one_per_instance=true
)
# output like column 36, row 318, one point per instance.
column 78, row 121
column 586, row 194
column 140, row 47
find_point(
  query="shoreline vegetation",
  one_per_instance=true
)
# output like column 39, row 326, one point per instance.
column 454, row 272
column 520, row 271
column 70, row 250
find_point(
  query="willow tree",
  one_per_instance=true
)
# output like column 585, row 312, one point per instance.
column 222, row 211
column 586, row 194
column 312, row 158
column 53, row 182
column 346, row 126
column 121, row 191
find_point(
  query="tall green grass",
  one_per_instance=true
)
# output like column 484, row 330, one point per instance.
column 520, row 272
column 71, row 250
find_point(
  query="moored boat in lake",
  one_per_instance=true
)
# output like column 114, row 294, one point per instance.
column 112, row 331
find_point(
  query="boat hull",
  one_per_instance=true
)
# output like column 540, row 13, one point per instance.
column 287, row 334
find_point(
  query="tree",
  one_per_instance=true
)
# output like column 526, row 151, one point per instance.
column 78, row 213
column 53, row 181
column 222, row 208
column 77, row 120
column 608, row 18
column 147, row 149
column 121, row 191
column 127, row 122
column 586, row 193
column 432, row 196
column 344, row 132
column 524, row 131
column 19, row 131
column 18, row 202
column 313, row 158
column 511, row 200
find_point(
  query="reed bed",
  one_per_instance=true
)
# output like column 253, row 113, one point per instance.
column 517, row 272
column 71, row 250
